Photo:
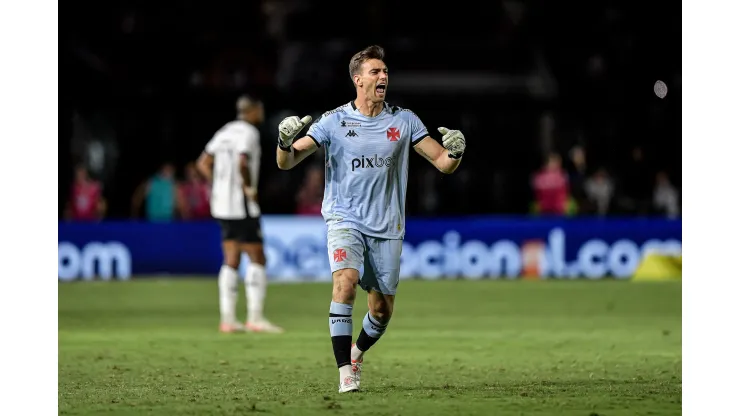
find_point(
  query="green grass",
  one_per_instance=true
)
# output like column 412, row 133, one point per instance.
column 151, row 347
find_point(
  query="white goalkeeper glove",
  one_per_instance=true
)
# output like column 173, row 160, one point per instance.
column 289, row 128
column 453, row 141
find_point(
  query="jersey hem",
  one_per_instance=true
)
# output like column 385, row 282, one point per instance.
column 350, row 225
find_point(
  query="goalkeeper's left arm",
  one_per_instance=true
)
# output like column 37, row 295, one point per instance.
column 445, row 157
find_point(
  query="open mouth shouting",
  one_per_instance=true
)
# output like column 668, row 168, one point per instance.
column 380, row 89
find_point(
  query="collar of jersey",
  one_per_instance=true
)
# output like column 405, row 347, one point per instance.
column 354, row 108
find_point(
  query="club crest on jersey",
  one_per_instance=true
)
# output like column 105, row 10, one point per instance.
column 393, row 134
column 339, row 255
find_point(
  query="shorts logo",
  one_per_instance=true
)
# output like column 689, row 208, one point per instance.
column 339, row 255
column 393, row 134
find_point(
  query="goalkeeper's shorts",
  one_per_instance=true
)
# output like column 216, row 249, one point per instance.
column 377, row 259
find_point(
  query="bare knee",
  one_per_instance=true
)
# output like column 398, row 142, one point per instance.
column 345, row 285
column 255, row 252
column 381, row 306
column 231, row 255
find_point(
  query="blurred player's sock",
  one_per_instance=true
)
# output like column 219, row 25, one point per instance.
column 228, row 292
column 340, row 328
column 371, row 332
column 255, row 287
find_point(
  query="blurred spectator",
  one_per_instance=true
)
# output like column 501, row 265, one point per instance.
column 193, row 195
column 159, row 193
column 665, row 196
column 600, row 190
column 636, row 189
column 577, row 178
column 460, row 192
column 429, row 191
column 86, row 202
column 311, row 195
column 550, row 186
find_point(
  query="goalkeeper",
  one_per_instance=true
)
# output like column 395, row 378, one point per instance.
column 367, row 144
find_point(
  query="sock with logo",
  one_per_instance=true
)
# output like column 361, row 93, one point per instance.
column 340, row 328
column 227, row 293
column 371, row 332
column 255, row 287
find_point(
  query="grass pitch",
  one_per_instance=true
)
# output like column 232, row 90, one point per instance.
column 151, row 347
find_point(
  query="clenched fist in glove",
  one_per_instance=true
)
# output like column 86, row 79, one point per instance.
column 289, row 128
column 453, row 141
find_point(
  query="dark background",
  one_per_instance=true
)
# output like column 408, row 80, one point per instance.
column 150, row 82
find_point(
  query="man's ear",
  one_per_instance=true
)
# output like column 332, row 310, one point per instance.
column 358, row 80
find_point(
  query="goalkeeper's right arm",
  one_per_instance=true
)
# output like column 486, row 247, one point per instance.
column 301, row 149
column 290, row 152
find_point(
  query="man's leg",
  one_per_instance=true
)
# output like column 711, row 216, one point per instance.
column 346, row 253
column 374, row 323
column 340, row 323
column 255, row 288
column 380, row 280
column 255, row 282
column 228, row 287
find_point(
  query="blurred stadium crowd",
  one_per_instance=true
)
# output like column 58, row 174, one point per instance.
column 556, row 101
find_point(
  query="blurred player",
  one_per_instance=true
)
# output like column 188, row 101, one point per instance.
column 367, row 144
column 231, row 163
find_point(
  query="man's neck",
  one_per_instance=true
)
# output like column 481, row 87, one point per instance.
column 367, row 107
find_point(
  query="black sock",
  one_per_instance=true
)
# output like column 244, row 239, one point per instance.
column 340, row 328
column 370, row 334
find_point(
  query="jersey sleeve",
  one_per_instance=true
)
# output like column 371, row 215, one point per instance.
column 249, row 141
column 418, row 129
column 211, row 146
column 319, row 131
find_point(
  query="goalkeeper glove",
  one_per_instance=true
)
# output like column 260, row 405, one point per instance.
column 453, row 141
column 289, row 128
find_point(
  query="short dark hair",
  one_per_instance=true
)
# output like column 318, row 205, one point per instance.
column 371, row 52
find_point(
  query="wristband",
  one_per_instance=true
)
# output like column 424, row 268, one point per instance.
column 283, row 147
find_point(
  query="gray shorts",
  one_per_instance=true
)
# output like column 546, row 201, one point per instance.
column 378, row 260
